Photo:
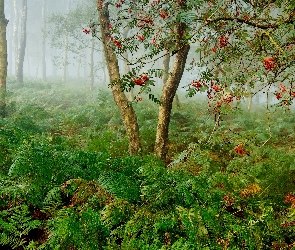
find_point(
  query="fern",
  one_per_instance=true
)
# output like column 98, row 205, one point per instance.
column 120, row 185
column 79, row 228
column 15, row 225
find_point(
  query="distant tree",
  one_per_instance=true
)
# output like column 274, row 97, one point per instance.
column 9, row 36
column 68, row 28
column 3, row 58
column 15, row 34
column 23, row 42
column 44, row 40
column 66, row 46
column 91, row 73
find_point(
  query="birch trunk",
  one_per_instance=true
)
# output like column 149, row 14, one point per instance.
column 9, row 54
column 126, row 110
column 66, row 44
column 65, row 60
column 92, row 64
column 43, row 41
column 15, row 34
column 168, row 93
column 3, row 58
column 9, row 39
column 79, row 66
column 23, row 42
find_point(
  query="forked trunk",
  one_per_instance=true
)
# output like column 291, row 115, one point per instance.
column 168, row 93
column 3, row 58
column 127, row 113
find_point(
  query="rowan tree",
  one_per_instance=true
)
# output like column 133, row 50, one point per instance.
column 148, row 22
column 243, row 45
column 247, row 47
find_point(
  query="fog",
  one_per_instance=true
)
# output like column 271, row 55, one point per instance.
column 59, row 37
column 55, row 27
column 63, row 35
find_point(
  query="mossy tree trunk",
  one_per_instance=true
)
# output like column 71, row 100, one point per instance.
column 3, row 58
column 127, row 113
column 168, row 94
column 23, row 42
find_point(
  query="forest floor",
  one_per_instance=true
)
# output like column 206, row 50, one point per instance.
column 67, row 181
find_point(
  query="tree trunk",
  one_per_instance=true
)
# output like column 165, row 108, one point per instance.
column 166, row 68
column 28, row 62
column 54, row 68
column 43, row 41
column 85, row 71
column 79, row 65
column 10, row 41
column 168, row 93
column 104, row 72
column 92, row 64
column 66, row 44
column 37, row 69
column 126, row 110
column 166, row 62
column 23, row 41
column 9, row 53
column 65, row 59
column 250, row 97
column 15, row 35
column 3, row 58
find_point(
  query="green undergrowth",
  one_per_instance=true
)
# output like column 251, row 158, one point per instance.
column 67, row 182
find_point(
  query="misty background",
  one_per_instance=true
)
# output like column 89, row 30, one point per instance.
column 57, row 49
